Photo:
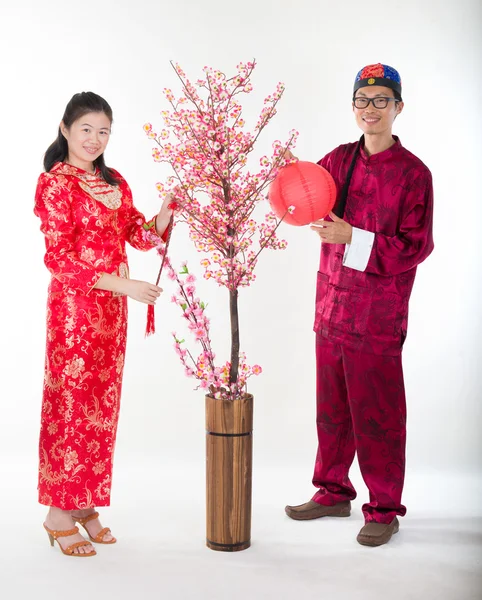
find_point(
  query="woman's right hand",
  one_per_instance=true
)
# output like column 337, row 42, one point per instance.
column 142, row 291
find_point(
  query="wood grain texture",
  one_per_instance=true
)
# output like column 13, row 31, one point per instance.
column 229, row 452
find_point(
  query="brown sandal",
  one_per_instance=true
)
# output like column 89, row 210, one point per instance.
column 99, row 537
column 54, row 535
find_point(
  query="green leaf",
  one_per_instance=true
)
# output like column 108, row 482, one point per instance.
column 183, row 306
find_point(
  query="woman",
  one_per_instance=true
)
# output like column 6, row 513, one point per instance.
column 87, row 215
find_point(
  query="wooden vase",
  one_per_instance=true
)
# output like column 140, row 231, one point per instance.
column 229, row 453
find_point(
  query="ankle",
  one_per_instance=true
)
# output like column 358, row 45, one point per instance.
column 59, row 519
column 85, row 512
column 57, row 513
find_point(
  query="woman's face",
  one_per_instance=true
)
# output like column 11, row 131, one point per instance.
column 87, row 139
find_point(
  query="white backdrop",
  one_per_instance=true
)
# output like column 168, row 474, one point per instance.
column 121, row 50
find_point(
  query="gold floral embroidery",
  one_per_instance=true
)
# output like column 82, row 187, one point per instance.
column 123, row 272
column 99, row 467
column 109, row 195
column 71, row 459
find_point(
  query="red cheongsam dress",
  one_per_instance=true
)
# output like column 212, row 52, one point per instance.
column 86, row 223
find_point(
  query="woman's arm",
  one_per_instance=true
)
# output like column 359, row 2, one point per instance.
column 142, row 291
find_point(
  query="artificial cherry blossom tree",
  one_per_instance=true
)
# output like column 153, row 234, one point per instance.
column 205, row 141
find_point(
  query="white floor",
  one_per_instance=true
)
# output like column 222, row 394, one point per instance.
column 158, row 516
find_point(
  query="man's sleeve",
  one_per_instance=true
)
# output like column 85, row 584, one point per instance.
column 413, row 243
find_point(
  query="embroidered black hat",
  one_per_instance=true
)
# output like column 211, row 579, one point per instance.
column 378, row 74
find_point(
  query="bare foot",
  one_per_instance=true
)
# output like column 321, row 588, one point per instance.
column 94, row 526
column 61, row 520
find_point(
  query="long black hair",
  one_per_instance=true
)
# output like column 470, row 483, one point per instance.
column 79, row 105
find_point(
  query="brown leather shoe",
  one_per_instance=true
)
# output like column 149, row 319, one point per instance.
column 377, row 534
column 313, row 510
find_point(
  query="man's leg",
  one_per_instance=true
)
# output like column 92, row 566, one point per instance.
column 377, row 400
column 336, row 445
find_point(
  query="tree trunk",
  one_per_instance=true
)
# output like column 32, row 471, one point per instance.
column 233, row 309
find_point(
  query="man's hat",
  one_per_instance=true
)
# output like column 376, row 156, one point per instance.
column 378, row 75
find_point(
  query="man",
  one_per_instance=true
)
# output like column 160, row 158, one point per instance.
column 380, row 230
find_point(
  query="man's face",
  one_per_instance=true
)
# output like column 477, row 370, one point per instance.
column 373, row 120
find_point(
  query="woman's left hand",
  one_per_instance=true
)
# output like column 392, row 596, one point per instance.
column 336, row 231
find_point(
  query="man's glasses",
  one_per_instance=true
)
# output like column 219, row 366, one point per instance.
column 378, row 102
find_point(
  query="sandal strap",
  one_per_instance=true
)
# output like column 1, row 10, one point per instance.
column 65, row 533
column 100, row 536
column 72, row 547
column 84, row 520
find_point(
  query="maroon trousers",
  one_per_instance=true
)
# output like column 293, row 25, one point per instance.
column 360, row 408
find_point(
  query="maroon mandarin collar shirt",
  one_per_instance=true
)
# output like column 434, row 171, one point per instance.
column 363, row 288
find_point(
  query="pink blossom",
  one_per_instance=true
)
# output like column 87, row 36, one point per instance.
column 199, row 333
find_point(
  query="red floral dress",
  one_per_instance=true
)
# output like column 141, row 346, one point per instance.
column 86, row 223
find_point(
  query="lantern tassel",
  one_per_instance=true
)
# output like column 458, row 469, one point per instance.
column 151, row 323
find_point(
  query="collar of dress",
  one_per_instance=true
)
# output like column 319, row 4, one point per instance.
column 94, row 185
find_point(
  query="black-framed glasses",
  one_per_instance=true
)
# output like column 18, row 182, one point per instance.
column 378, row 102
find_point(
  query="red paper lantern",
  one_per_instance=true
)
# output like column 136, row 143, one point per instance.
column 306, row 186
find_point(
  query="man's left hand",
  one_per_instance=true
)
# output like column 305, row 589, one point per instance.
column 336, row 231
